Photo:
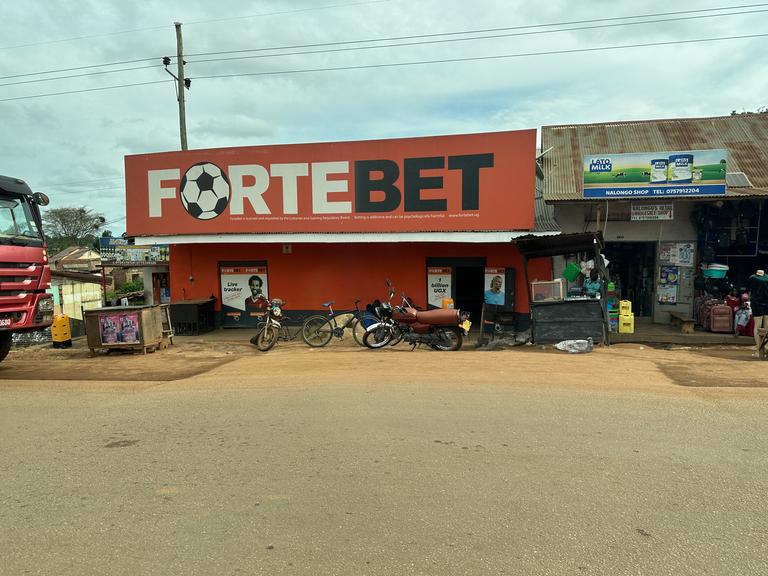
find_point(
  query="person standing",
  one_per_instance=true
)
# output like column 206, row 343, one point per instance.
column 757, row 286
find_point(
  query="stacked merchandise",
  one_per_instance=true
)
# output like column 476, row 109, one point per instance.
column 612, row 304
column 626, row 318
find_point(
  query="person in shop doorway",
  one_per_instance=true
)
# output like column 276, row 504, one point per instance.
column 757, row 286
column 253, row 301
column 495, row 295
column 593, row 284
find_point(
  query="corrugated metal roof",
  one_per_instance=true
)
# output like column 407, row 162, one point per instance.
column 745, row 136
column 737, row 180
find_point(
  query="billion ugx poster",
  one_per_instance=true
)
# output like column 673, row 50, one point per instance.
column 241, row 289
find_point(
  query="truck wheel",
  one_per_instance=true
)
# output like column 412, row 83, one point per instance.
column 5, row 344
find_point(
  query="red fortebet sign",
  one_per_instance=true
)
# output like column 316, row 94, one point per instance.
column 441, row 183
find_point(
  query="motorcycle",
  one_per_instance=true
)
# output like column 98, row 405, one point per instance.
column 268, row 334
column 441, row 329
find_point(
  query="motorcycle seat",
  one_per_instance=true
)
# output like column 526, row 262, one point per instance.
column 327, row 304
column 445, row 316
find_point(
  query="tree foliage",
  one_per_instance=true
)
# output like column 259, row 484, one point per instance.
column 71, row 226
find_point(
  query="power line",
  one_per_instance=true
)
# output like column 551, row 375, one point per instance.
column 481, row 31
column 326, row 7
column 395, row 38
column 477, row 58
column 152, row 28
column 101, row 72
column 86, row 90
column 472, row 38
column 68, row 192
column 414, row 63
column 79, row 68
column 55, row 184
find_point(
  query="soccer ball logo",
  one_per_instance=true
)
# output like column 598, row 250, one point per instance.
column 205, row 191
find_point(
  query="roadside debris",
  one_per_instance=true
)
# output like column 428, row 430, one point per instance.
column 576, row 346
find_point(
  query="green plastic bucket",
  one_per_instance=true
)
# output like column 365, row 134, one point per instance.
column 571, row 272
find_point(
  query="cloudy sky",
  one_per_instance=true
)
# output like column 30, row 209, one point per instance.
column 72, row 146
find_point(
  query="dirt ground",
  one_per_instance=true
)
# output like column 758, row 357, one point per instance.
column 684, row 366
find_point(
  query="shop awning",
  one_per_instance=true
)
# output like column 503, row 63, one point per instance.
column 345, row 238
column 531, row 246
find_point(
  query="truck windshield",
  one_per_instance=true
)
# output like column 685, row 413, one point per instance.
column 16, row 221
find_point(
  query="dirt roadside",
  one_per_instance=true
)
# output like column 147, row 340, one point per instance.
column 729, row 367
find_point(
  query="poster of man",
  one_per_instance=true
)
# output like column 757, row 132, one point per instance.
column 241, row 288
column 494, row 282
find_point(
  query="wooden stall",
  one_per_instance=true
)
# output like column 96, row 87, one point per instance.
column 138, row 328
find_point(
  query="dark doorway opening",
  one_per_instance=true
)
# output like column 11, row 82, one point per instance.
column 468, row 279
column 470, row 284
column 632, row 268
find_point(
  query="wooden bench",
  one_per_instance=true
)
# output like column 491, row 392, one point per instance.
column 682, row 321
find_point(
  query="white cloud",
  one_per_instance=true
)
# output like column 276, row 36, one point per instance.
column 84, row 137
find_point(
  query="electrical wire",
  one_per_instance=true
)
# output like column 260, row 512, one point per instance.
column 86, row 90
column 394, row 38
column 414, row 63
column 480, row 31
column 495, row 36
column 18, row 82
column 477, row 58
column 152, row 28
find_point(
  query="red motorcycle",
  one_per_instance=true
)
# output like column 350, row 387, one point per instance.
column 441, row 329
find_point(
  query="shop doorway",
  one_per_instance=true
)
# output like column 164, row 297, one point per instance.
column 467, row 282
column 632, row 266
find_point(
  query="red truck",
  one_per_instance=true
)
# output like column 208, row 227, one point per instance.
column 24, row 271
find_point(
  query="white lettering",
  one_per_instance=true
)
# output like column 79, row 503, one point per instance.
column 155, row 191
column 321, row 187
column 252, row 193
column 290, row 174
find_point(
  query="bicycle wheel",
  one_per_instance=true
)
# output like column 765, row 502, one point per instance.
column 316, row 331
column 358, row 327
column 267, row 338
column 378, row 337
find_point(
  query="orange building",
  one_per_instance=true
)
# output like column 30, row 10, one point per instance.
column 332, row 221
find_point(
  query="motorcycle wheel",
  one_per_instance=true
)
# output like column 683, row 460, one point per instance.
column 378, row 337
column 449, row 339
column 397, row 337
column 316, row 331
column 267, row 338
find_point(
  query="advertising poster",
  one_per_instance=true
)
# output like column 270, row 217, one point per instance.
column 438, row 286
column 669, row 279
column 240, row 287
column 119, row 328
column 494, row 286
column 677, row 253
column 655, row 174
column 666, row 294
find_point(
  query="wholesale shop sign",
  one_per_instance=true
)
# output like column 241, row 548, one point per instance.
column 442, row 183
column 655, row 174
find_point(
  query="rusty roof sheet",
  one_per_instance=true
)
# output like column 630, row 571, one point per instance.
column 745, row 136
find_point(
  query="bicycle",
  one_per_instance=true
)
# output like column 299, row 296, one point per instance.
column 285, row 333
column 318, row 330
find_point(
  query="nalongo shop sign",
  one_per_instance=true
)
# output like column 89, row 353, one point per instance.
column 646, row 212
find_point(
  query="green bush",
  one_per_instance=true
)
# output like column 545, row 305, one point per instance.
column 134, row 286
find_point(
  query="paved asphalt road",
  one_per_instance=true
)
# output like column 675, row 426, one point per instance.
column 351, row 462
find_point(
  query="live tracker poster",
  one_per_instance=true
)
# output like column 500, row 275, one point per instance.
column 241, row 288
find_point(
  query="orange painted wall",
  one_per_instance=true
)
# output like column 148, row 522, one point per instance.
column 313, row 273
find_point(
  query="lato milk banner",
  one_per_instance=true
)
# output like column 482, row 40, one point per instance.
column 441, row 183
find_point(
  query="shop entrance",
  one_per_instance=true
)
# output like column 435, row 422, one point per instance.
column 468, row 282
column 632, row 266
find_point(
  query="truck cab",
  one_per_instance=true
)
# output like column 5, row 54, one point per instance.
column 25, row 274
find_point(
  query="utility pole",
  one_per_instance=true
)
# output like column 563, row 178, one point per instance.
column 181, row 83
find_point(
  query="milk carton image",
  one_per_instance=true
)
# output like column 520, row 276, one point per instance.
column 680, row 168
column 659, row 171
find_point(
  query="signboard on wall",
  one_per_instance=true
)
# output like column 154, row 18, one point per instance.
column 494, row 286
column 441, row 183
column 438, row 285
column 241, row 285
column 655, row 174
column 652, row 212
